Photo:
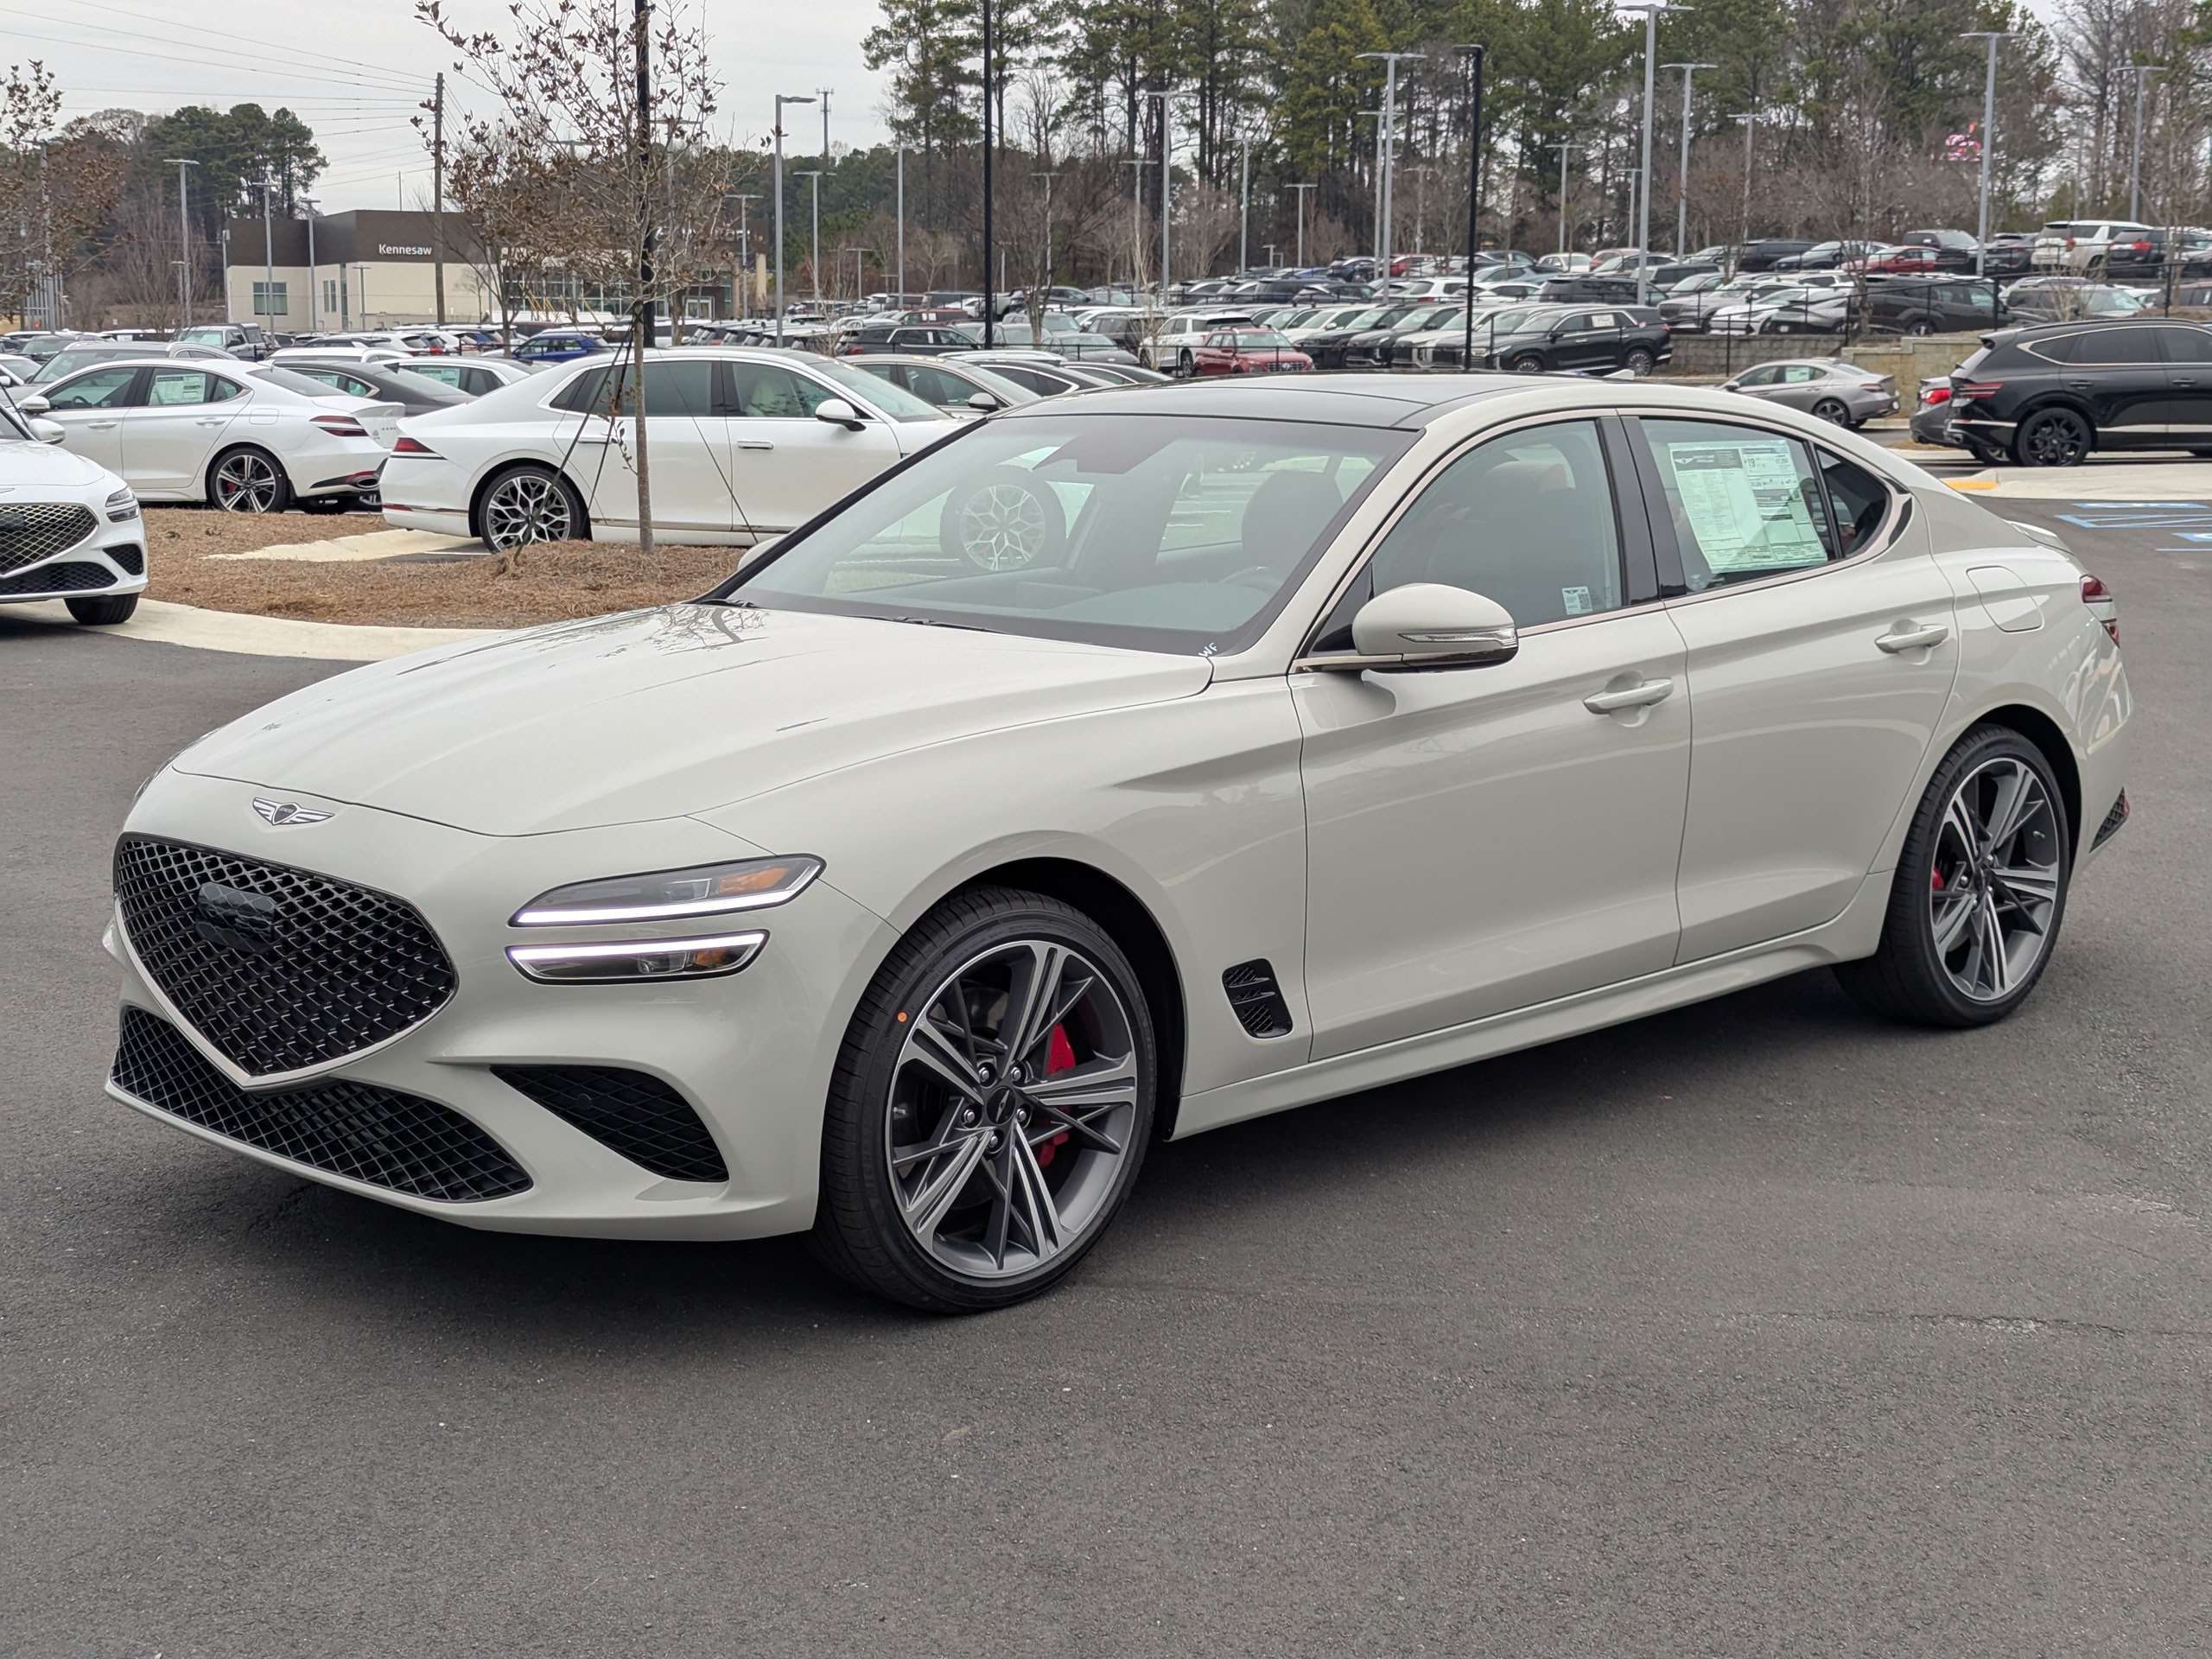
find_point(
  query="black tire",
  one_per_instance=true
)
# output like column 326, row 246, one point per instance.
column 1988, row 457
column 1008, row 519
column 1832, row 410
column 1920, row 327
column 1186, row 364
column 1639, row 362
column 102, row 610
column 1527, row 365
column 528, row 503
column 246, row 478
column 860, row 1232
column 2053, row 437
column 1905, row 978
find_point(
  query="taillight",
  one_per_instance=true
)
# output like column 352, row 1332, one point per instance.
column 340, row 426
column 1977, row 389
column 407, row 446
column 2102, row 604
column 1939, row 394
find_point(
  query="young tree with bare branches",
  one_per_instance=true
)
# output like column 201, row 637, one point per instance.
column 58, row 184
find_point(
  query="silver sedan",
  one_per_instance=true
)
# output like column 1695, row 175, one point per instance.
column 1842, row 392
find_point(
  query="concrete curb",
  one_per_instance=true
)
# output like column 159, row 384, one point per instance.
column 259, row 636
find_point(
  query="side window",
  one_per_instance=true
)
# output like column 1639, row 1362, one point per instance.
column 2187, row 345
column 101, row 389
column 934, row 386
column 221, row 391
column 446, row 374
column 1765, row 375
column 767, row 391
column 166, row 388
column 585, row 394
column 681, row 389
column 2057, row 349
column 1525, row 519
column 1860, row 502
column 2116, row 346
column 1800, row 374
column 1575, row 325
column 1743, row 502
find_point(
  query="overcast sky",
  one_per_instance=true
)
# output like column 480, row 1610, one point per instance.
column 354, row 69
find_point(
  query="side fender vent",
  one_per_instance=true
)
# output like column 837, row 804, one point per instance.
column 1257, row 1000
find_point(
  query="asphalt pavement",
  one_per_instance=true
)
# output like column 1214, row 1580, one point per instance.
column 1758, row 1328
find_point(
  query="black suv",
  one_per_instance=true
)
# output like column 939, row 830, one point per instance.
column 1929, row 305
column 1954, row 250
column 929, row 339
column 1596, row 341
column 2047, row 397
column 1762, row 255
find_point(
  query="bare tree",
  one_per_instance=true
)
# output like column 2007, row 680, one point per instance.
column 58, row 184
column 601, row 161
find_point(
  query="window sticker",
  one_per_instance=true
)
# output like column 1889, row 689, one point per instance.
column 1576, row 601
column 1745, row 504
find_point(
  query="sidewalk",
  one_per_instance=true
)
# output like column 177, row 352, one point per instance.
column 258, row 636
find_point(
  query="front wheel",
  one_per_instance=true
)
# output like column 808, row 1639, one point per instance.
column 1921, row 328
column 248, row 480
column 1978, row 893
column 102, row 610
column 990, row 1106
column 1527, row 366
column 2056, row 437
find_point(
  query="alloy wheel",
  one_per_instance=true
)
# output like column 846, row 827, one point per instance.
column 526, row 507
column 1012, row 1104
column 2056, row 438
column 1993, row 887
column 245, row 482
column 1829, row 408
column 1002, row 527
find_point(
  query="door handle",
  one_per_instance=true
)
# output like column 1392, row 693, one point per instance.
column 754, row 443
column 1634, row 696
column 2184, row 380
column 208, row 420
column 100, row 426
column 1913, row 638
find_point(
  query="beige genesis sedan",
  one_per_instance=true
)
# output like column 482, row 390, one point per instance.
column 1121, row 766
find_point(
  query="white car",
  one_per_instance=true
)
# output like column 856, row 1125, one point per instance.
column 1173, row 350
column 742, row 444
column 2081, row 247
column 1124, row 766
column 473, row 375
column 69, row 529
column 247, row 437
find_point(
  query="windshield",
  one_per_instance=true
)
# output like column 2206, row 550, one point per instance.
column 1155, row 532
column 1260, row 339
column 1523, row 322
column 2113, row 303
column 69, row 362
column 306, row 385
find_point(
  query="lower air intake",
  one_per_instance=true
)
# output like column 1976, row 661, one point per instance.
column 1257, row 1000
column 71, row 578
column 2114, row 819
column 640, row 1116
column 380, row 1136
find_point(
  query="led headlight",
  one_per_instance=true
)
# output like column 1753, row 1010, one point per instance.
column 121, row 506
column 663, row 895
column 643, row 959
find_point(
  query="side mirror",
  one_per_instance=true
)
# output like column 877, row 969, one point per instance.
column 1732, row 386
column 48, row 431
column 34, row 404
column 984, row 402
column 838, row 412
column 1429, row 625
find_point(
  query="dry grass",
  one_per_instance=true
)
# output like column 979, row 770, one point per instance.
column 550, row 583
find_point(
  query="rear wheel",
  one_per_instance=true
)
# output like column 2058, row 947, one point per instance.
column 531, row 504
column 102, row 610
column 1186, row 364
column 990, row 1106
column 1980, row 889
column 1832, row 410
column 248, row 480
column 2054, row 437
column 1920, row 326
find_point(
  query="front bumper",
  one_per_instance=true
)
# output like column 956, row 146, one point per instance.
column 752, row 1053
column 111, row 561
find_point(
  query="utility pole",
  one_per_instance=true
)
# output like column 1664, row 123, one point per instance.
column 1749, row 119
column 1244, row 215
column 1048, row 178
column 899, row 213
column 1387, row 147
column 1988, row 138
column 438, row 194
column 1650, row 9
column 814, row 247
column 744, row 248
column 990, row 300
column 1302, row 190
column 268, row 256
column 314, row 295
column 1167, row 188
column 1565, row 149
column 1473, row 55
column 184, row 232
column 1683, row 182
column 2142, row 71
column 782, row 98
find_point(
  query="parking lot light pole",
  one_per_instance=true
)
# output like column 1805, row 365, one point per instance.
column 1386, row 148
column 268, row 256
column 900, row 214
column 1650, row 9
column 1302, row 190
column 782, row 98
column 1472, row 56
column 2142, row 71
column 1244, row 215
column 184, row 231
column 814, row 245
column 1750, row 120
column 314, row 297
column 1988, row 138
column 1166, row 183
column 1682, row 183
column 1565, row 149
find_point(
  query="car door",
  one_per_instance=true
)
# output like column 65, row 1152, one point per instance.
column 686, row 441
column 1821, row 652
column 785, row 464
column 2118, row 375
column 181, row 414
column 89, row 407
column 1484, row 839
column 2188, row 351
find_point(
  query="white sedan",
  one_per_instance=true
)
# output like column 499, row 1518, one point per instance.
column 247, row 437
column 69, row 529
column 740, row 444
column 1285, row 738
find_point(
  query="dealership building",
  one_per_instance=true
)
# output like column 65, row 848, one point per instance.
column 365, row 270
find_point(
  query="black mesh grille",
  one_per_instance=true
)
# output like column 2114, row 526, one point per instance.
column 70, row 578
column 38, row 529
column 280, row 969
column 1255, row 999
column 129, row 557
column 399, row 1142
column 2114, row 819
column 640, row 1117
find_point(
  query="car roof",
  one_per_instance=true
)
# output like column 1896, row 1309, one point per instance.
column 1373, row 400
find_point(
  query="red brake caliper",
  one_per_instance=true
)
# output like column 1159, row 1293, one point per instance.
column 1935, row 881
column 1059, row 1056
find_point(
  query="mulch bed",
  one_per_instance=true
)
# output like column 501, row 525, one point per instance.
column 553, row 582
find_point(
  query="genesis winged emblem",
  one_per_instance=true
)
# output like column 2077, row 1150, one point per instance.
column 288, row 812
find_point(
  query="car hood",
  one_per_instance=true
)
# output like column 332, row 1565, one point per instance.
column 34, row 465
column 655, row 714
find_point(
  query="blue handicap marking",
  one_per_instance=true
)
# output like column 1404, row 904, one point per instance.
column 2132, row 515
